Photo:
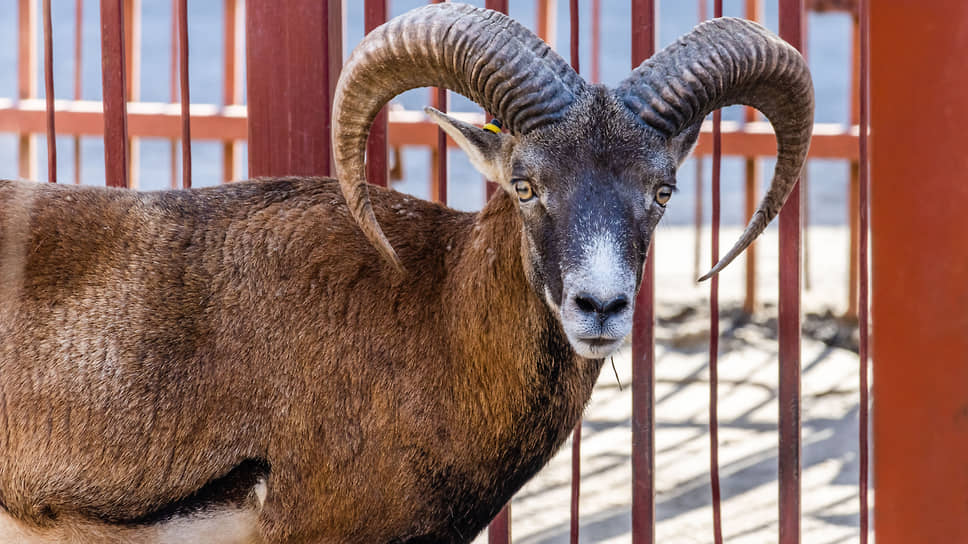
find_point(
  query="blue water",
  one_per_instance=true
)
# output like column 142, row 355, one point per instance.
column 828, row 50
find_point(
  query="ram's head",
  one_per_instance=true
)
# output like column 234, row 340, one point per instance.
column 591, row 167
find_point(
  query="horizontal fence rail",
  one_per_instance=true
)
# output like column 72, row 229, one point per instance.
column 406, row 128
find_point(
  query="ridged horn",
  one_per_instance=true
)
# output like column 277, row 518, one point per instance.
column 723, row 62
column 481, row 54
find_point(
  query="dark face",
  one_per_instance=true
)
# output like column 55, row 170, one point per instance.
column 590, row 192
column 587, row 227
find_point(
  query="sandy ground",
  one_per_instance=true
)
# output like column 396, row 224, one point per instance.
column 748, row 414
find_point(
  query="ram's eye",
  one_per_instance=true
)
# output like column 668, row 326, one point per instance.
column 524, row 190
column 663, row 195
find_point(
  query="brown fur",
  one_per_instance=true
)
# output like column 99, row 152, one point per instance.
column 150, row 343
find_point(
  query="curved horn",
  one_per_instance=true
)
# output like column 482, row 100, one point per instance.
column 722, row 62
column 481, row 54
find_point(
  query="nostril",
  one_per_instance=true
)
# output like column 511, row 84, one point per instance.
column 588, row 303
column 615, row 305
column 591, row 304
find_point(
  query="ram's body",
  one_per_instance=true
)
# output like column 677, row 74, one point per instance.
column 152, row 343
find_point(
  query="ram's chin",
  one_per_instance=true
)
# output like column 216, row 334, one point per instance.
column 597, row 348
column 592, row 341
column 594, row 347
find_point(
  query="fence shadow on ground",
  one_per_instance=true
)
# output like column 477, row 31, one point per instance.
column 749, row 478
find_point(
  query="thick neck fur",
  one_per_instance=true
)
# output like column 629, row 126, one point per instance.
column 517, row 386
column 509, row 340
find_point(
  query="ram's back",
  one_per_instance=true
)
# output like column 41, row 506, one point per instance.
column 139, row 330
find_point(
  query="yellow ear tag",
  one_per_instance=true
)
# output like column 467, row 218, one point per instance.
column 493, row 126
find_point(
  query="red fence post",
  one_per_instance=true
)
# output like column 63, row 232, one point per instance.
column 27, row 81
column 754, row 12
column 862, row 55
column 114, row 93
column 132, row 71
column 544, row 21
column 293, row 53
column 791, row 254
column 499, row 531
column 853, row 189
column 643, row 337
column 78, row 35
column 49, row 94
column 576, row 434
column 173, row 91
column 438, row 192
column 919, row 236
column 374, row 15
column 186, row 102
column 231, row 90
column 700, row 178
column 438, row 185
column 490, row 187
column 714, row 486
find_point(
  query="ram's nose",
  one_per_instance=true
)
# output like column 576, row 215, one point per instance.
column 601, row 307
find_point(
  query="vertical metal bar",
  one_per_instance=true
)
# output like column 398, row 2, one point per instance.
column 173, row 91
column 499, row 531
column 291, row 51
column 643, row 336
column 749, row 207
column 714, row 338
column 853, row 222
column 491, row 187
column 440, row 185
column 78, row 49
column 576, row 435
column 804, row 231
column 185, row 99
column 115, row 94
column 596, row 69
column 574, row 28
column 863, row 90
column 697, row 216
column 230, row 88
column 575, row 526
column 791, row 30
column 700, row 178
column 714, row 322
column 853, row 191
column 49, row 93
column 920, row 262
column 132, row 47
column 27, row 81
column 374, row 15
column 132, row 59
column 643, row 408
column 438, row 179
column 754, row 12
column 804, row 183
column 334, row 60
column 545, row 21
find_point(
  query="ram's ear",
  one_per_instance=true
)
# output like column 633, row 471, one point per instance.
column 682, row 144
column 483, row 147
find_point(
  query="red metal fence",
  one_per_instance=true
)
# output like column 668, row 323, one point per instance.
column 292, row 67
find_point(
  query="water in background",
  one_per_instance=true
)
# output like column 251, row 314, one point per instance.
column 828, row 43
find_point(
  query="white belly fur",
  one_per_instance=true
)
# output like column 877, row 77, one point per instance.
column 225, row 526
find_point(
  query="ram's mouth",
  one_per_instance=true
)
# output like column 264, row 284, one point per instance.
column 597, row 347
column 599, row 341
